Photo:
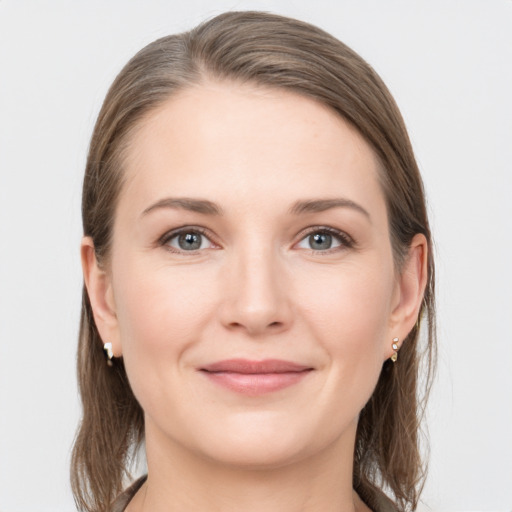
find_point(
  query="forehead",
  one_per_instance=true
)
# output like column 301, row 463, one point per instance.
column 226, row 141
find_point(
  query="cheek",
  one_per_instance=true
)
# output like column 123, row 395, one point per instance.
column 351, row 306
column 161, row 313
column 348, row 314
column 157, row 305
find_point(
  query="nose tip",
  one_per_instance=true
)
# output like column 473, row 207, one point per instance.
column 256, row 301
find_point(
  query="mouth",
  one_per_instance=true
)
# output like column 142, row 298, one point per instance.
column 255, row 377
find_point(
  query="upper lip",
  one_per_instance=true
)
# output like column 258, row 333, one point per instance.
column 246, row 366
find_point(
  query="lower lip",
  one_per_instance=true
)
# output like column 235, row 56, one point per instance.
column 254, row 384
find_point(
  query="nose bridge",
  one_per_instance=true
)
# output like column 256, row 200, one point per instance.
column 257, row 301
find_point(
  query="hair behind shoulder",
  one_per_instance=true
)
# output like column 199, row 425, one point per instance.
column 277, row 52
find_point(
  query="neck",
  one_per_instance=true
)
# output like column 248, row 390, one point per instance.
column 179, row 479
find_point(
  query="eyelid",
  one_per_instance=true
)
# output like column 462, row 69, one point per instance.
column 346, row 241
column 168, row 235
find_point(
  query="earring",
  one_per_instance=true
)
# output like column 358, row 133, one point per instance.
column 107, row 347
column 395, row 347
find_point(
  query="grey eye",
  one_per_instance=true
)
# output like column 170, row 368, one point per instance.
column 321, row 241
column 189, row 241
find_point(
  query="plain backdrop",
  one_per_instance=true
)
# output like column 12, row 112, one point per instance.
column 448, row 64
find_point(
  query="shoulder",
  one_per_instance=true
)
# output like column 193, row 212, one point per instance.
column 376, row 500
column 121, row 502
column 384, row 504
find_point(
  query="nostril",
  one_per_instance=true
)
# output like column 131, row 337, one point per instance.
column 254, row 328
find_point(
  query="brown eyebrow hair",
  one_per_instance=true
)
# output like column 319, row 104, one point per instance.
column 320, row 205
column 209, row 208
column 186, row 203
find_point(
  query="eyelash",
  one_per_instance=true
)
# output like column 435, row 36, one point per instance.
column 346, row 241
column 167, row 237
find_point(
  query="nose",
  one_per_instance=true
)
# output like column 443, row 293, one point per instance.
column 256, row 296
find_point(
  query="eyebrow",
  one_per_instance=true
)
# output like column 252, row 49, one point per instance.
column 321, row 205
column 186, row 203
column 209, row 208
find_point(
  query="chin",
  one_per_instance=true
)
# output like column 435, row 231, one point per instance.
column 261, row 443
column 258, row 454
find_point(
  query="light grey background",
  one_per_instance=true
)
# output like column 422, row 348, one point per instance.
column 448, row 64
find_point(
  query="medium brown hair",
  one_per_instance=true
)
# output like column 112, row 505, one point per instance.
column 276, row 52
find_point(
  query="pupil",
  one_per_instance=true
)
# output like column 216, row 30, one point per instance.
column 189, row 241
column 320, row 241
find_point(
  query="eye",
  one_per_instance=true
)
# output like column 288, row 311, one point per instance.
column 324, row 240
column 187, row 240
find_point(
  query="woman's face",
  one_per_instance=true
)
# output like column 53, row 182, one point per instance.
column 251, row 288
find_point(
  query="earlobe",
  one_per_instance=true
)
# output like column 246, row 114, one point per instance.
column 411, row 288
column 99, row 289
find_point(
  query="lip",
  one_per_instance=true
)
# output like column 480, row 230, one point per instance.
column 255, row 377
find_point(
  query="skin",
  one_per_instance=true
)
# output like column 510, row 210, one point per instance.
column 257, row 288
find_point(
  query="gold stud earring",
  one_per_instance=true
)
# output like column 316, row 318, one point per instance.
column 395, row 347
column 107, row 347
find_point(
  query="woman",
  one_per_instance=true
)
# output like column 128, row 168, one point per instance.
column 256, row 252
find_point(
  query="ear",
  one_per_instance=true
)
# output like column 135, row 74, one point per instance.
column 99, row 289
column 409, row 291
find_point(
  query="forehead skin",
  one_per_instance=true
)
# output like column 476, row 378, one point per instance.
column 222, row 128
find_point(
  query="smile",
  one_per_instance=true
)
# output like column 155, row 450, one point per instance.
column 255, row 378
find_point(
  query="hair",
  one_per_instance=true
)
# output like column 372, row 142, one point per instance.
column 275, row 52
